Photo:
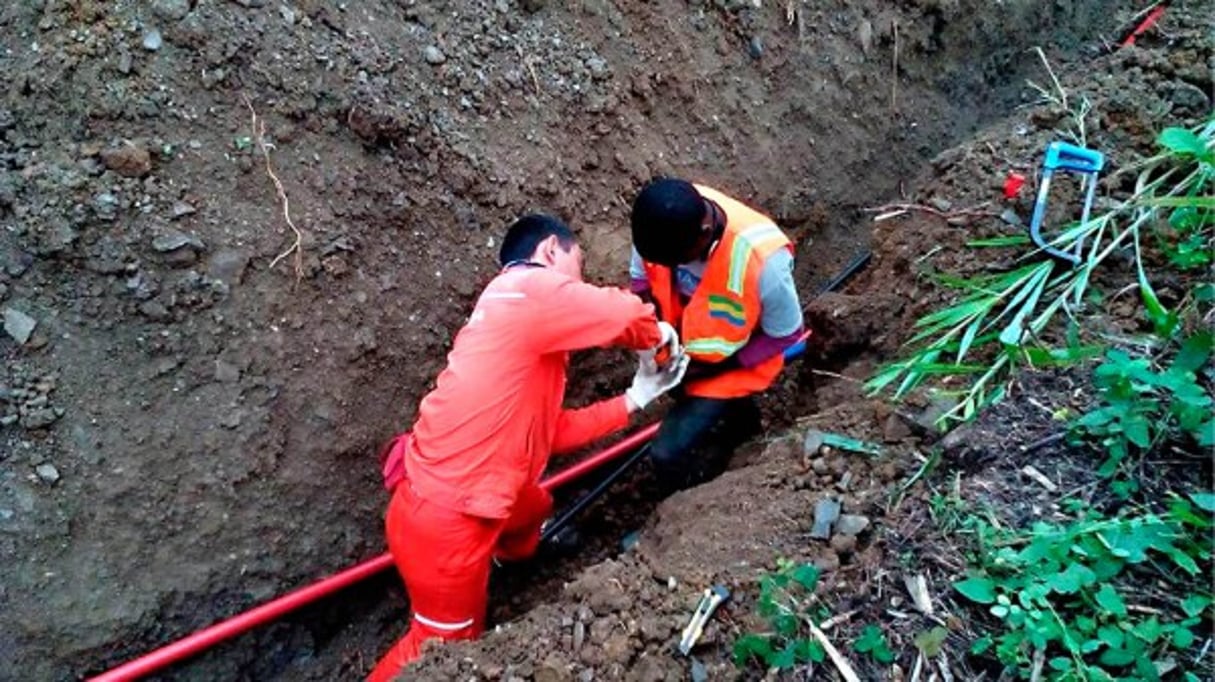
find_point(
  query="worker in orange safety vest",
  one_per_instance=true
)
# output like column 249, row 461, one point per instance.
column 468, row 490
column 721, row 273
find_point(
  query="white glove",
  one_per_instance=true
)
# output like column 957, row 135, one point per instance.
column 650, row 381
column 670, row 339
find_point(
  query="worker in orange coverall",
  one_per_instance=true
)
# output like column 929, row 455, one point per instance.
column 472, row 464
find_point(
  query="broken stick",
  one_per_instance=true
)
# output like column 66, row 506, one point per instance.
column 841, row 664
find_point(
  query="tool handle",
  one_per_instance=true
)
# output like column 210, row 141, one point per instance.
column 1064, row 156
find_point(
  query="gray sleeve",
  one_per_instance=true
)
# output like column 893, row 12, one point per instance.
column 636, row 266
column 782, row 310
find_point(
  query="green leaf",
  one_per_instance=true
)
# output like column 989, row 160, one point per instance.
column 1070, row 580
column 1194, row 353
column 806, row 575
column 1108, row 599
column 930, row 642
column 785, row 658
column 1136, row 428
column 1195, row 604
column 980, row 645
column 1205, row 501
column 873, row 642
column 1204, row 293
column 1116, row 658
column 1061, row 664
column 1182, row 638
column 1010, row 240
column 1111, row 636
column 752, row 646
column 979, row 590
column 1183, row 141
column 871, row 638
column 1149, row 630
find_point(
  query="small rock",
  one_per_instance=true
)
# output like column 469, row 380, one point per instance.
column 534, row 5
column 181, row 209
column 851, row 524
column 105, row 206
column 18, row 325
column 48, row 473
column 865, row 35
column 8, row 420
column 895, row 429
column 39, row 419
column 1189, row 100
column 434, row 55
column 826, row 512
column 579, row 635
column 942, row 205
column 226, row 372
column 128, row 160
column 152, row 40
column 812, row 443
column 699, row 673
column 819, row 465
column 843, row 545
column 927, row 420
column 154, row 311
column 171, row 10
column 172, row 241
column 828, row 561
column 228, row 266
column 755, row 47
column 598, row 68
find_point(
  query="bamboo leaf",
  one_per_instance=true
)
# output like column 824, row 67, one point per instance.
column 995, row 242
column 1182, row 141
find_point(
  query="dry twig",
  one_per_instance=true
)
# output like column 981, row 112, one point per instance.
column 259, row 138
column 893, row 210
column 841, row 664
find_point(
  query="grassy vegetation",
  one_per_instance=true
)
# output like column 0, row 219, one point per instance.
column 1002, row 320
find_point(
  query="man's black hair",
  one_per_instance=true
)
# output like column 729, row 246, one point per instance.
column 526, row 234
column 666, row 220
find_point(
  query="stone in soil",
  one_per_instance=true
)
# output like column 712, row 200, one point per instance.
column 128, row 160
column 826, row 512
column 434, row 55
column 48, row 473
column 18, row 325
column 851, row 524
column 152, row 40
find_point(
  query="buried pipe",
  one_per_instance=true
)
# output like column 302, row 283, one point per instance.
column 208, row 637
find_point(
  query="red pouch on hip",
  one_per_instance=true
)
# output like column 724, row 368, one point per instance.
column 392, row 461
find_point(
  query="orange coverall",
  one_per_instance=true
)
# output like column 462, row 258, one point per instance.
column 483, row 437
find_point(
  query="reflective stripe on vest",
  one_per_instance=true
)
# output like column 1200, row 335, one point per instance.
column 723, row 312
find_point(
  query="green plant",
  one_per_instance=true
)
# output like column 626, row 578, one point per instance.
column 999, row 322
column 1056, row 594
column 873, row 642
column 786, row 605
column 1138, row 405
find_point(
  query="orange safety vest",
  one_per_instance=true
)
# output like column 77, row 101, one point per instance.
column 725, row 308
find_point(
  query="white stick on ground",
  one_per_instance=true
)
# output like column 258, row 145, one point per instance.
column 841, row 663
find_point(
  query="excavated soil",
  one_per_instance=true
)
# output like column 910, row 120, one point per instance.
column 190, row 427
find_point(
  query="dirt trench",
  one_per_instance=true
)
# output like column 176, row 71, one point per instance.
column 189, row 431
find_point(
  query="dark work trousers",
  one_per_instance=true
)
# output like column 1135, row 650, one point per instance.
column 697, row 438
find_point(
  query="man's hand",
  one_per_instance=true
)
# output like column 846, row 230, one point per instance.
column 651, row 381
column 668, row 347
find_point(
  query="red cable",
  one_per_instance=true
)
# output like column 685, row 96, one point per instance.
column 204, row 639
column 1144, row 25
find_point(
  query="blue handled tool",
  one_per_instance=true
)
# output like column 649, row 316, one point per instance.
column 1061, row 156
